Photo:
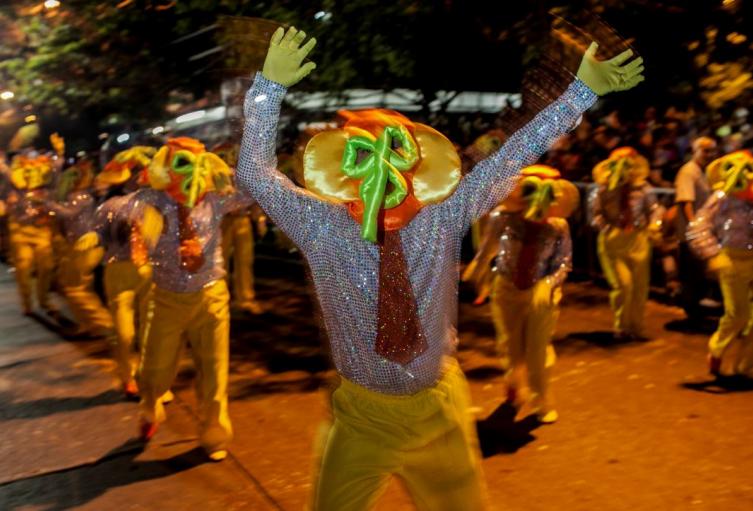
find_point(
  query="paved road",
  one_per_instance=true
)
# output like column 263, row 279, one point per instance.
column 641, row 428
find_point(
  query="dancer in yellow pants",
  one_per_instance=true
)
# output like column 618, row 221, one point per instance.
column 721, row 235
column 179, row 215
column 30, row 227
column 384, row 261
column 128, row 275
column 527, row 243
column 627, row 216
column 74, row 211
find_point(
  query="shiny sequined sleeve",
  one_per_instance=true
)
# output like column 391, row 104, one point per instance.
column 234, row 202
column 492, row 179
column 702, row 233
column 653, row 209
column 294, row 210
column 595, row 211
column 562, row 259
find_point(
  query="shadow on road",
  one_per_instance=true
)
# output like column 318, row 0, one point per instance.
column 79, row 485
column 721, row 385
column 704, row 326
column 11, row 409
column 500, row 433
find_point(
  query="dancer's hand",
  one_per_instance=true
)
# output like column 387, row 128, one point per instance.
column 542, row 293
column 719, row 262
column 284, row 57
column 86, row 242
column 605, row 76
column 151, row 226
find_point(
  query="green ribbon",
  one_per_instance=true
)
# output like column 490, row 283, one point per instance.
column 192, row 185
column 539, row 201
column 382, row 165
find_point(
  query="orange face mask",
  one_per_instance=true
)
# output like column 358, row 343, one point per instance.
column 384, row 167
column 183, row 169
column 733, row 174
column 541, row 193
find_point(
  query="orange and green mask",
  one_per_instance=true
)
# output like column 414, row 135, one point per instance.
column 733, row 174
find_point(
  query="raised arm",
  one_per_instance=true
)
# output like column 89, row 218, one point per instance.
column 492, row 179
column 296, row 211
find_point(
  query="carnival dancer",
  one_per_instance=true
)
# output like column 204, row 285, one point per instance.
column 388, row 287
column 238, row 245
column 128, row 274
column 30, row 224
column 528, row 240
column 721, row 235
column 74, row 211
column 628, row 218
column 180, row 214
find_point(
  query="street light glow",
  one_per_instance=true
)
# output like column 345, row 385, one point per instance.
column 192, row 116
column 30, row 118
column 6, row 95
column 158, row 130
column 51, row 4
column 123, row 138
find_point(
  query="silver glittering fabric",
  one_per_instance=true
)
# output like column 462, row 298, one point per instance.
column 29, row 207
column 112, row 222
column 74, row 214
column 549, row 254
column 345, row 268
column 206, row 217
column 723, row 222
column 625, row 206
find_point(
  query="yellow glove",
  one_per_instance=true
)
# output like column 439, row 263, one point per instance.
column 261, row 226
column 86, row 242
column 542, row 293
column 151, row 226
column 605, row 76
column 284, row 57
column 720, row 262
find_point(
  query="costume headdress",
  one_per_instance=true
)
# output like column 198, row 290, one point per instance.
column 624, row 165
column 733, row 174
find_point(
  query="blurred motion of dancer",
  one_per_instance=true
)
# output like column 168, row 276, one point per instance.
column 238, row 245
column 179, row 214
column 128, row 274
column 30, row 223
column 721, row 234
column 628, row 217
column 74, row 210
column 388, row 287
column 527, row 239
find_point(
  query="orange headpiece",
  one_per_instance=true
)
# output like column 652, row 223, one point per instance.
column 733, row 174
column 624, row 165
column 541, row 193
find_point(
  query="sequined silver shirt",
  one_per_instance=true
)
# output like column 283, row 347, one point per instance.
column 552, row 248
column 206, row 217
column 75, row 214
column 344, row 267
column 607, row 210
column 723, row 222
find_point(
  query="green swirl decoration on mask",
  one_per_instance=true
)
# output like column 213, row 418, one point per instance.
column 382, row 165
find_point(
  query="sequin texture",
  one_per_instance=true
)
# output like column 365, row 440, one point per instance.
column 723, row 222
column 345, row 268
column 610, row 208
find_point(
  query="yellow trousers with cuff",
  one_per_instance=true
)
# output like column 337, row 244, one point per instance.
column 625, row 258
column 524, row 334
column 427, row 439
column 735, row 282
column 238, row 245
column 204, row 318
column 128, row 291
column 76, row 279
column 31, row 248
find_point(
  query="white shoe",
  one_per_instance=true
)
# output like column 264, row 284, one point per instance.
column 167, row 397
column 547, row 417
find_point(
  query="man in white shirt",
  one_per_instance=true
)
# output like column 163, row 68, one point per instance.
column 691, row 192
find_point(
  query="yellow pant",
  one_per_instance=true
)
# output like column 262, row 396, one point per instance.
column 127, row 288
column 427, row 439
column 735, row 283
column 238, row 244
column 625, row 258
column 76, row 279
column 32, row 251
column 524, row 334
column 204, row 318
